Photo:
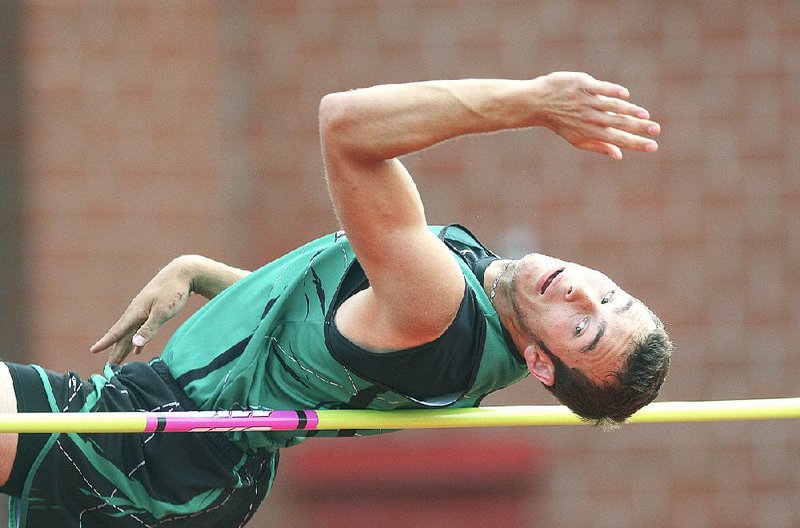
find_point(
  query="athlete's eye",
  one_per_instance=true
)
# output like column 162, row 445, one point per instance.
column 580, row 327
column 609, row 297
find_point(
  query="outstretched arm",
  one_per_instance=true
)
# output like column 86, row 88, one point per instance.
column 416, row 285
column 162, row 298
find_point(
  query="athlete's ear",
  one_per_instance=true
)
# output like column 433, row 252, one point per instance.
column 540, row 365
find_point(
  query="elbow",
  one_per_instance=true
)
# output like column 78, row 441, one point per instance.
column 343, row 130
column 333, row 119
column 328, row 108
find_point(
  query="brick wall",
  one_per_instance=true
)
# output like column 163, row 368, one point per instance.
column 154, row 129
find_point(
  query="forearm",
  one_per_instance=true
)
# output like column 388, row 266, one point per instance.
column 207, row 277
column 388, row 121
column 375, row 124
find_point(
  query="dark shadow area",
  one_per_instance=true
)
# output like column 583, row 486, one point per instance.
column 13, row 302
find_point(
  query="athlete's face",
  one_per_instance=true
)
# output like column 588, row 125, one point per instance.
column 578, row 313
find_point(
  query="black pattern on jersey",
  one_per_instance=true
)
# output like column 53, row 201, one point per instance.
column 363, row 398
column 291, row 371
column 320, row 290
column 268, row 307
column 220, row 361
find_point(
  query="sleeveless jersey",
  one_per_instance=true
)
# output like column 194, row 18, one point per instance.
column 260, row 344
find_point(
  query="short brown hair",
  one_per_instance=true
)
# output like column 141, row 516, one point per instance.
column 612, row 402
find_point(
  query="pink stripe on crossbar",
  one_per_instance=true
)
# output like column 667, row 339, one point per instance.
column 229, row 421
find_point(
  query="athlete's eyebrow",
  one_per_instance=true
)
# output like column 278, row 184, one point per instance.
column 601, row 329
column 625, row 307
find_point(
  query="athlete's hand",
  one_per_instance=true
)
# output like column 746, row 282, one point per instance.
column 593, row 115
column 158, row 302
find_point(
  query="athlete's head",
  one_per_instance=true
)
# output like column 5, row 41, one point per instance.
column 599, row 350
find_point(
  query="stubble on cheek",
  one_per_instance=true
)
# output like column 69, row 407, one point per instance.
column 518, row 302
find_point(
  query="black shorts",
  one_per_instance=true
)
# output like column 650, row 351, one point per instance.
column 127, row 480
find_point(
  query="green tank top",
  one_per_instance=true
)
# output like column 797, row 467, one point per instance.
column 260, row 344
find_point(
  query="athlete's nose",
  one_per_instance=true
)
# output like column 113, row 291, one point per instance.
column 576, row 293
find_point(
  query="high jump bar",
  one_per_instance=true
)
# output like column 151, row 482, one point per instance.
column 317, row 420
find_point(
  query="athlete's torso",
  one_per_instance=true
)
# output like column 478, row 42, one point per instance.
column 261, row 344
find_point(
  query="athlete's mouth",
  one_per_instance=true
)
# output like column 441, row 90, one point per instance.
column 550, row 280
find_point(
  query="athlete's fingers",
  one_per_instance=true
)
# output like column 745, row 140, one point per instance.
column 621, row 107
column 149, row 329
column 629, row 141
column 640, row 127
column 136, row 313
column 601, row 147
column 122, row 349
column 104, row 342
column 607, row 89
column 112, row 336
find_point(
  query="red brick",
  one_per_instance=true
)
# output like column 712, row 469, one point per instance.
column 158, row 129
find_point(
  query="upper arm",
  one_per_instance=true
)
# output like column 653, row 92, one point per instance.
column 416, row 284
